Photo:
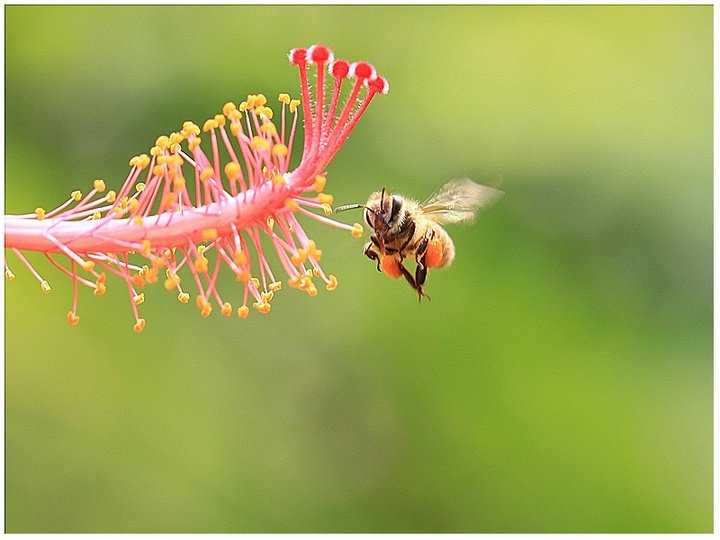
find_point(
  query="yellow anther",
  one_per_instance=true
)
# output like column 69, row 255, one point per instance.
column 226, row 309
column 190, row 128
column 175, row 148
column 206, row 310
column 176, row 138
column 162, row 160
column 179, row 182
column 267, row 296
column 102, row 278
column 240, row 258
column 311, row 290
column 162, row 142
column 294, row 105
column 299, row 257
column 138, row 220
column 72, row 318
column 284, row 98
column 151, row 276
column 333, row 283
column 76, row 196
column 243, row 276
column 133, row 205
column 278, row 179
column 232, row 170
column 99, row 289
column 40, row 213
column 183, row 297
column 219, row 120
column 327, row 209
column 258, row 143
column 292, row 204
column 325, row 198
column 171, row 283
column 99, row 186
column 139, row 325
column 235, row 115
column 158, row 170
column 200, row 301
column 260, row 100
column 228, row 108
column 9, row 274
column 357, row 230
column 209, row 125
column 268, row 128
column 255, row 281
column 235, row 128
column 201, row 264
column 280, row 150
column 270, row 222
column 313, row 252
column 262, row 307
column 96, row 215
column 138, row 299
column 206, row 174
column 266, row 112
column 319, row 183
column 135, row 160
column 146, row 247
column 209, row 234
column 175, row 160
column 194, row 143
column 243, row 312
column 275, row 286
column 243, row 106
column 88, row 265
column 201, row 249
column 45, row 286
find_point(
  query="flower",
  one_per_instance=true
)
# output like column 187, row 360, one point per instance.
column 182, row 209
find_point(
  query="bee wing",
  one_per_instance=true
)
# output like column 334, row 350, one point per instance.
column 459, row 201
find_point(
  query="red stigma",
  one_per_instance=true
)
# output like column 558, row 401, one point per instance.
column 319, row 54
column 298, row 56
column 379, row 84
column 363, row 70
column 340, row 69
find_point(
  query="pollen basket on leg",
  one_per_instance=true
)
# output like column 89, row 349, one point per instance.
column 211, row 197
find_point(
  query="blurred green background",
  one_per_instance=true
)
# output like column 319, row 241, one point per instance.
column 561, row 377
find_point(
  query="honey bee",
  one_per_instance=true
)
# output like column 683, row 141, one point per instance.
column 406, row 229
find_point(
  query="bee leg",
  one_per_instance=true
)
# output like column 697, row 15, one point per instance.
column 370, row 253
column 408, row 276
column 420, row 276
column 422, row 248
column 410, row 233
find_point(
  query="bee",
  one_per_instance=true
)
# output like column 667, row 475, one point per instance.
column 403, row 228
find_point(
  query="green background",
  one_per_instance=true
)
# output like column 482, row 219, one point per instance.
column 561, row 377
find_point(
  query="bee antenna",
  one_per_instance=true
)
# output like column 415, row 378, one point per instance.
column 345, row 207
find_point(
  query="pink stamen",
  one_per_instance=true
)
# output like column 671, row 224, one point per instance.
column 152, row 219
